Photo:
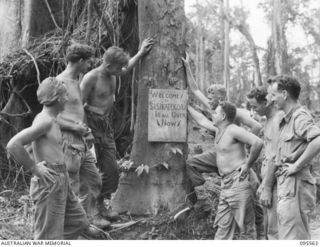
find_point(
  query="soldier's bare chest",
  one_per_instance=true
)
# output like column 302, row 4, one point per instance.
column 224, row 142
column 74, row 94
column 105, row 87
column 54, row 135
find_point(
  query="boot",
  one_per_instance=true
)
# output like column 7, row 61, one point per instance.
column 100, row 222
column 107, row 212
column 92, row 232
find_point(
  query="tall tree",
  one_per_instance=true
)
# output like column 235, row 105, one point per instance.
column 277, row 56
column 226, row 73
column 22, row 22
column 242, row 72
column 157, row 187
column 310, row 23
column 240, row 23
column 112, row 23
column 206, row 28
column 278, row 37
column 199, row 41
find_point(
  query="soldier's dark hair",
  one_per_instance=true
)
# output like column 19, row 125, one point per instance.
column 229, row 109
column 76, row 52
column 116, row 55
column 258, row 93
column 217, row 89
column 288, row 83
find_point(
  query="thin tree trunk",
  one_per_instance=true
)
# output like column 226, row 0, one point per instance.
column 198, row 57
column 89, row 20
column 202, row 69
column 279, row 39
column 244, row 30
column 226, row 71
column 255, row 58
column 276, row 32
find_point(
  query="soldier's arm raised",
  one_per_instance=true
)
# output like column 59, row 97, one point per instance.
column 193, row 84
column 201, row 119
column 146, row 46
column 243, row 116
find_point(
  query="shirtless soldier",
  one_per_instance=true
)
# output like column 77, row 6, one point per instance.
column 268, row 188
column 98, row 90
column 58, row 214
column 206, row 162
column 84, row 176
column 236, row 203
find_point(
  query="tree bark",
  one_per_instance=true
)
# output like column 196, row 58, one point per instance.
column 11, row 26
column 89, row 20
column 202, row 66
column 226, row 71
column 197, row 62
column 22, row 20
column 279, row 43
column 161, row 69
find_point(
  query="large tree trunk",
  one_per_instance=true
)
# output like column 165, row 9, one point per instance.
column 161, row 69
column 11, row 25
column 24, row 19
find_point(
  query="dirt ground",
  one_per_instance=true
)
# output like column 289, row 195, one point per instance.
column 16, row 221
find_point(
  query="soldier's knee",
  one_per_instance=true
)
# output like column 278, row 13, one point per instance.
column 190, row 163
column 189, row 167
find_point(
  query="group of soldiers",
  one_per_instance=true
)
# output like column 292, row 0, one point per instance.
column 67, row 189
column 69, row 193
column 280, row 206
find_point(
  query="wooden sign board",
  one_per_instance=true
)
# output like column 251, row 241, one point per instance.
column 167, row 115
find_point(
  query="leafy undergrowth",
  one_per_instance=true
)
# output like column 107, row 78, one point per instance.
column 197, row 223
column 15, row 215
column 192, row 225
column 16, row 219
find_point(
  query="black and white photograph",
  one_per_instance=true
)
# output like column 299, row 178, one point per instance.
column 159, row 120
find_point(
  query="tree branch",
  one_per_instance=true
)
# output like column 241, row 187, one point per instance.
column 52, row 16
column 35, row 64
column 89, row 21
column 70, row 21
column 24, row 114
column 105, row 21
